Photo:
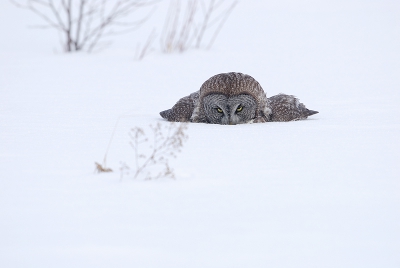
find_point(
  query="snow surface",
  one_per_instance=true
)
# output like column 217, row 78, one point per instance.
column 322, row 192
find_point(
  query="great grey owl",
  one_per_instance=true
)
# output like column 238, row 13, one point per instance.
column 235, row 98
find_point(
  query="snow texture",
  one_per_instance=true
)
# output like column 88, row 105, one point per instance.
column 322, row 192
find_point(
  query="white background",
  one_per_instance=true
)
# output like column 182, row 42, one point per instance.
column 323, row 192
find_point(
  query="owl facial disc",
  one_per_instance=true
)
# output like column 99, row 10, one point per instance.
column 229, row 110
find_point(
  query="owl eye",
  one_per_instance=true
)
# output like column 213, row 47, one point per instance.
column 239, row 108
column 219, row 110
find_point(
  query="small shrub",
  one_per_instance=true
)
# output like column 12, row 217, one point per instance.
column 153, row 152
column 183, row 30
column 83, row 23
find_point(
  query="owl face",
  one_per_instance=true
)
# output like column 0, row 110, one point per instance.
column 229, row 110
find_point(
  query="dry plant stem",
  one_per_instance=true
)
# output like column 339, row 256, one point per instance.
column 184, row 37
column 179, row 33
column 85, row 22
column 176, row 35
column 224, row 18
column 170, row 27
column 146, row 49
column 112, row 138
column 204, row 25
column 124, row 169
column 162, row 149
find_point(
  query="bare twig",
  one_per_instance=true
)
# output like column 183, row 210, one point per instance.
column 204, row 25
column 179, row 32
column 146, row 49
column 224, row 18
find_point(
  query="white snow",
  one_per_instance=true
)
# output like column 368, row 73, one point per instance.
column 322, row 192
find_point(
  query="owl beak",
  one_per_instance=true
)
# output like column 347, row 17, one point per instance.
column 233, row 119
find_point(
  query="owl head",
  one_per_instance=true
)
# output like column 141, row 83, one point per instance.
column 230, row 99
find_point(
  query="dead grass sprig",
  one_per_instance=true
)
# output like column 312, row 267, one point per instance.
column 153, row 162
column 182, row 29
column 100, row 169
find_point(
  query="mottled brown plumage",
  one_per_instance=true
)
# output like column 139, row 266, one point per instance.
column 182, row 111
column 239, row 98
column 288, row 108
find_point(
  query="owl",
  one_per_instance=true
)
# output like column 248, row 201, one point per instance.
column 235, row 98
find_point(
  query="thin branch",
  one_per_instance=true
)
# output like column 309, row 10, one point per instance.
column 79, row 24
column 221, row 24
column 204, row 24
column 178, row 35
column 57, row 15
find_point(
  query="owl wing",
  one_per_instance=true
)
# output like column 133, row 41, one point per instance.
column 182, row 110
column 288, row 108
